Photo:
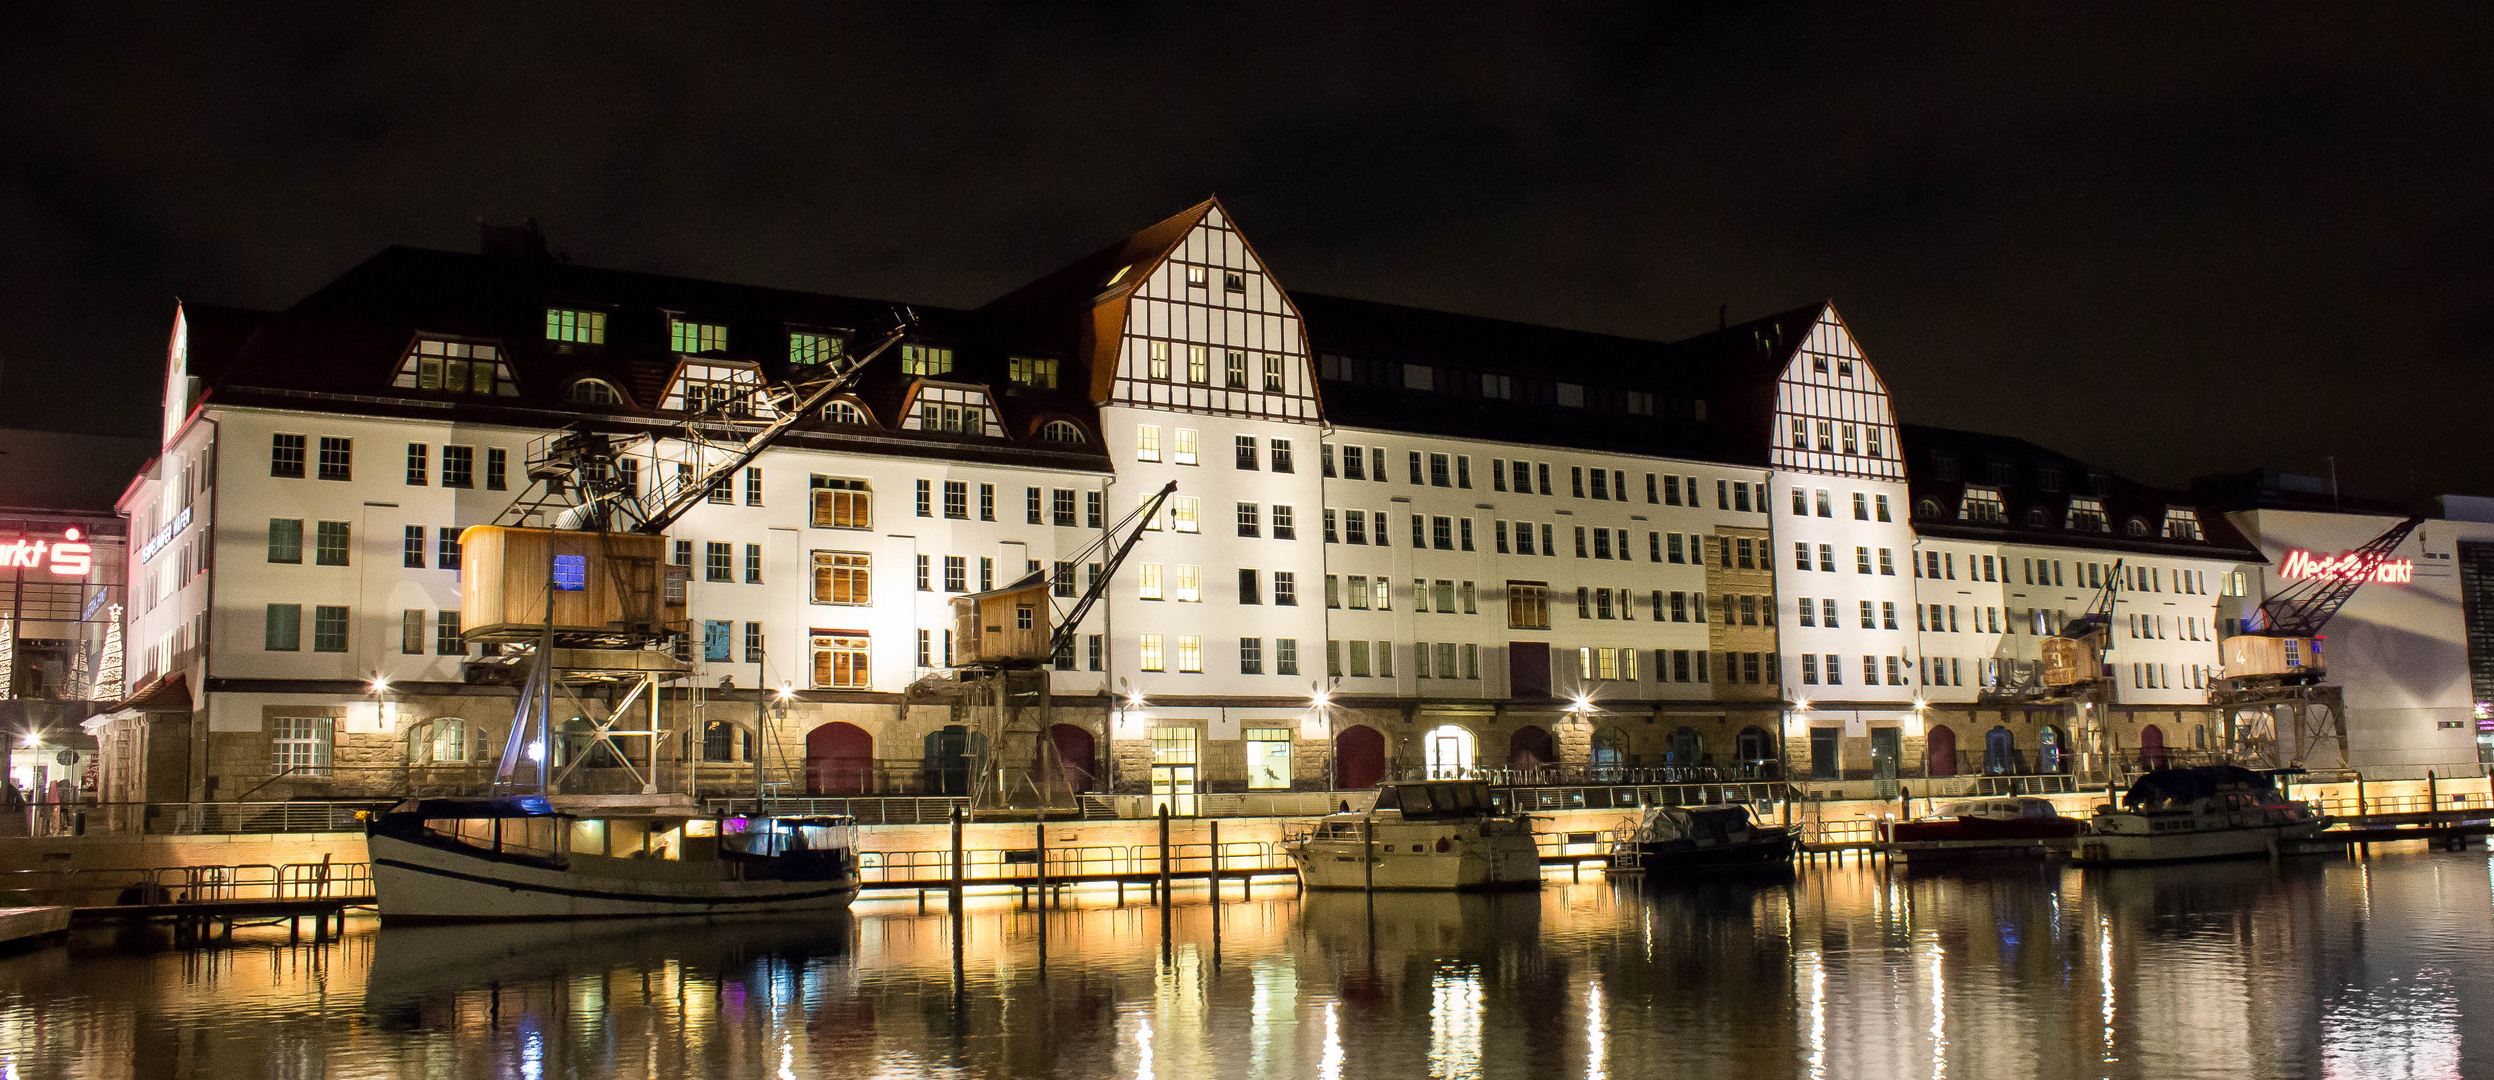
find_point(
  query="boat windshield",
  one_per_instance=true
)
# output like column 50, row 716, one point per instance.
column 1443, row 799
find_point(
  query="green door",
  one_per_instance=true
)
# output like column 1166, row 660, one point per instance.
column 1886, row 745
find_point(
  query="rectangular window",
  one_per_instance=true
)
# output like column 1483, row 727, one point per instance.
column 419, row 461
column 329, row 628
column 411, row 632
column 926, row 498
column 987, row 502
column 753, row 643
column 1441, row 533
column 1234, row 370
column 1285, row 523
column 1438, row 473
column 300, row 745
column 337, row 458
column 1281, row 455
column 446, row 549
column 753, row 564
column 411, row 549
column 1285, row 656
column 1248, row 519
column 956, row 573
column 1286, row 588
column 840, row 661
column 1148, row 652
column 718, row 643
column 1190, row 653
column 1032, row 511
column 1184, row 452
column 1185, row 513
column 446, row 640
column 957, row 500
column 577, row 327
column 331, row 544
column 1528, row 605
column 1189, row 584
column 719, row 562
column 285, row 540
column 1576, row 480
column 925, row 360
column 1198, row 365
column 1147, row 442
column 1244, row 450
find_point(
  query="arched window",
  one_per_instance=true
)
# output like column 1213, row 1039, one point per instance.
column 1449, row 750
column 845, row 412
column 1061, row 431
column 1685, row 747
column 593, row 392
column 1755, row 744
column 1610, row 753
column 721, row 740
column 2136, row 527
column 1929, row 508
column 2037, row 518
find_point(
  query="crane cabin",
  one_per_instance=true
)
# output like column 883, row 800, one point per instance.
column 594, row 583
column 1006, row 626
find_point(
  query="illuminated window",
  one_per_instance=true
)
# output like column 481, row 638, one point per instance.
column 845, row 412
column 840, row 661
column 1190, row 653
column 843, row 577
column 578, row 327
column 809, row 348
column 300, row 745
column 686, row 336
column 1032, row 371
column 1184, row 452
column 1147, row 442
column 1149, row 651
column 456, row 367
column 925, row 360
column 1157, row 361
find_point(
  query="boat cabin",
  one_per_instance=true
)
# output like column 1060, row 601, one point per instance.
column 2000, row 809
column 529, row 829
column 1436, row 800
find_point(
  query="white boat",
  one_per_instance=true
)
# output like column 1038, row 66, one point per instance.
column 478, row 860
column 2211, row 812
column 1429, row 835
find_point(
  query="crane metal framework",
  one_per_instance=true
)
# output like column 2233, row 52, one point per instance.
column 2279, row 714
column 578, row 481
column 2305, row 607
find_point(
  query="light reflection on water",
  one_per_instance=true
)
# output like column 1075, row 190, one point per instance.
column 2306, row 969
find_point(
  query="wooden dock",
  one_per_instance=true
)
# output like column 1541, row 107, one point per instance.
column 24, row 926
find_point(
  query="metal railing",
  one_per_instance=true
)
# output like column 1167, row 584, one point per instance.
column 1528, row 800
column 176, row 885
column 187, row 818
column 868, row 810
column 1099, row 862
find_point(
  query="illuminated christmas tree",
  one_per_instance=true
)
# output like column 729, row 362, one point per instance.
column 79, row 688
column 108, row 673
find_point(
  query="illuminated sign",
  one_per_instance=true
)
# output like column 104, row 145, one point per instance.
column 2300, row 564
column 156, row 543
column 70, row 556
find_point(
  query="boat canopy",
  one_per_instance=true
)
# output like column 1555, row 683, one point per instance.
column 1436, row 799
column 2004, row 809
column 518, row 806
column 1664, row 824
column 2191, row 784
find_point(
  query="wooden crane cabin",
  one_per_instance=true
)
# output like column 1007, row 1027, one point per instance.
column 604, row 583
column 1008, row 626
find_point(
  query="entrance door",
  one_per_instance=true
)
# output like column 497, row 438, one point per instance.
column 2151, row 747
column 1359, row 758
column 1073, row 748
column 1824, row 764
column 1886, row 744
column 1528, row 670
column 1173, row 769
column 839, row 760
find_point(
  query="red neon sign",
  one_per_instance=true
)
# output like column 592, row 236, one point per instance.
column 70, row 556
column 2302, row 564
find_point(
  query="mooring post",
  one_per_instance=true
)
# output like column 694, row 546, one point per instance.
column 1216, row 867
column 1164, row 854
column 1039, row 840
column 1368, row 857
column 2433, row 795
column 959, row 877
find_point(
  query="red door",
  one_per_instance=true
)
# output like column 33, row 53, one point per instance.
column 1530, row 748
column 2152, row 747
column 1359, row 758
column 1939, row 756
column 1073, row 749
column 839, row 760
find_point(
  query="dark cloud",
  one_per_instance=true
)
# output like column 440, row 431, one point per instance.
column 2175, row 240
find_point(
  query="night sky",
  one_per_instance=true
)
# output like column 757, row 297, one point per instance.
column 2171, row 241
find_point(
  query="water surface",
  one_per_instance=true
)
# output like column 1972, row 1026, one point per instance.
column 2310, row 968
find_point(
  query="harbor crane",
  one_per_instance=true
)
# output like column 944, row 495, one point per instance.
column 2277, row 705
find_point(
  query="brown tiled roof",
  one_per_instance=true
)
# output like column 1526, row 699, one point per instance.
column 2022, row 492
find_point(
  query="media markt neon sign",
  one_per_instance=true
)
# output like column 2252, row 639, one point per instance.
column 69, row 556
column 2300, row 564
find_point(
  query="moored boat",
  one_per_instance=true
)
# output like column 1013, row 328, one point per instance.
column 1984, row 828
column 482, row 860
column 1673, row 838
column 2209, row 812
column 1427, row 835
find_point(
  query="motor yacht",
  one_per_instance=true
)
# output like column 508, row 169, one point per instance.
column 1983, row 828
column 2209, row 812
column 1671, row 838
column 1422, row 835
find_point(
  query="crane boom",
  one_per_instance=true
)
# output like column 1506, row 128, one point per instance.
column 2303, row 608
column 2099, row 614
column 676, row 498
column 1134, row 524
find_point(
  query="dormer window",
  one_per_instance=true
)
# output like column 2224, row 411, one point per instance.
column 925, row 360
column 846, row 413
column 2037, row 518
column 694, row 338
column 732, row 391
column 576, row 326
column 2136, row 527
column 807, row 348
column 1032, row 371
column 953, row 410
column 456, row 367
column 1944, row 466
column 2048, row 478
column 1061, row 431
column 2182, row 524
column 593, row 392
column 2087, row 515
column 1982, row 504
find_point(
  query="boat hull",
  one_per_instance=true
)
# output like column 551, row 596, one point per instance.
column 1491, row 862
column 2193, row 844
column 1660, row 859
column 422, row 883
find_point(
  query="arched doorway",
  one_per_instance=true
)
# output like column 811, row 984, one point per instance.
column 2050, row 756
column 2000, row 751
column 839, row 760
column 1685, row 747
column 1756, row 747
column 2151, row 747
column 1939, row 751
column 1074, row 754
column 1448, row 750
column 1359, row 757
column 1610, row 754
column 948, row 752
column 1530, row 748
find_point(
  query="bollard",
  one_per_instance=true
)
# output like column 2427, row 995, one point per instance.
column 1216, row 866
column 2433, row 794
column 1368, row 856
column 958, row 870
column 1164, row 854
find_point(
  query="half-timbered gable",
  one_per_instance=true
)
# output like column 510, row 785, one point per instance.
column 1832, row 414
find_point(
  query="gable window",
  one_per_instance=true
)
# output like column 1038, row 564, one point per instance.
column 456, row 367
column 576, row 326
column 724, row 389
column 952, row 411
column 1156, row 361
column 1273, row 374
column 1198, row 365
column 1233, row 281
column 1195, row 277
column 807, row 348
column 593, row 392
column 2181, row 524
column 925, row 360
column 1234, row 369
column 1032, row 371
